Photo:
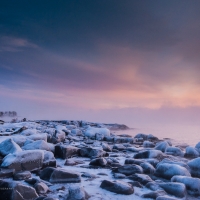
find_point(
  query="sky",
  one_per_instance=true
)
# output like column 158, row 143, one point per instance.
column 132, row 62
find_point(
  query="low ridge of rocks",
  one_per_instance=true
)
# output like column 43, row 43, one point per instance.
column 79, row 160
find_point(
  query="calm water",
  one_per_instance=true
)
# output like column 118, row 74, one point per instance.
column 185, row 134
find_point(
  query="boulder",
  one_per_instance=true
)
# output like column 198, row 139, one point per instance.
column 91, row 132
column 167, row 171
column 175, row 189
column 26, row 160
column 170, row 161
column 29, row 132
column 130, row 169
column 119, row 147
column 141, row 135
column 23, row 175
column 8, row 146
column 119, row 176
column 149, row 154
column 147, row 168
column 141, row 178
column 76, row 131
column 198, row 147
column 118, row 187
column 191, row 152
column 99, row 162
column 59, row 175
column 133, row 161
column 41, row 188
column 77, row 193
column 133, row 149
column 106, row 147
column 6, row 173
column 49, row 160
column 154, row 195
column 41, row 136
column 192, row 184
column 92, row 153
column 175, row 151
column 64, row 151
column 39, row 144
column 162, row 146
column 148, row 144
column 11, row 190
column 195, row 167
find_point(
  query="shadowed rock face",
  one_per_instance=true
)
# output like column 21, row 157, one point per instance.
column 175, row 189
column 59, row 175
column 63, row 151
column 192, row 184
column 16, row 191
column 118, row 187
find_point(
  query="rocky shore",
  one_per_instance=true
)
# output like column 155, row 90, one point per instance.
column 79, row 160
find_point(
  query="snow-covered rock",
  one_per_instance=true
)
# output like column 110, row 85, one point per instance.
column 118, row 187
column 192, row 184
column 26, row 160
column 28, row 132
column 195, row 167
column 191, row 152
column 167, row 171
column 91, row 132
column 162, row 146
column 9, row 146
column 39, row 144
column 176, row 189
column 175, row 151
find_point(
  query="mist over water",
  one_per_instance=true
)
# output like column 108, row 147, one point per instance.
column 178, row 134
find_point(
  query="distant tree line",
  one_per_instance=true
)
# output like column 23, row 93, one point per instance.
column 8, row 114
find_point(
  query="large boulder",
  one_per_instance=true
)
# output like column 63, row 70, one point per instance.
column 11, row 190
column 191, row 152
column 175, row 151
column 192, row 184
column 167, row 171
column 162, row 146
column 118, row 187
column 198, row 146
column 195, row 167
column 29, row 132
column 64, row 151
column 49, row 160
column 39, row 144
column 9, row 146
column 176, row 189
column 176, row 162
column 26, row 160
column 147, row 168
column 41, row 136
column 91, row 132
column 59, row 175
